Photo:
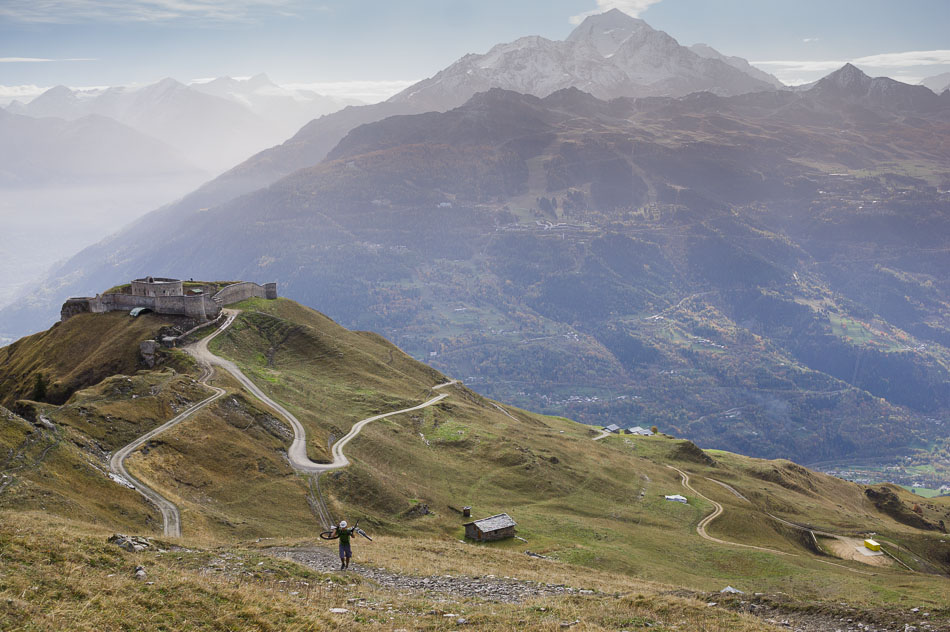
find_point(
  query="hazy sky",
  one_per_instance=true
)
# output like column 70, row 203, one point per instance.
column 384, row 44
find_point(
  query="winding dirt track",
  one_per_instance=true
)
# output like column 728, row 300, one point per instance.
column 170, row 515
column 297, row 454
column 701, row 527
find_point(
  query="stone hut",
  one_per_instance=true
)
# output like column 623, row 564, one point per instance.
column 497, row 527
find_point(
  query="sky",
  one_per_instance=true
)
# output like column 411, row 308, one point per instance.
column 370, row 49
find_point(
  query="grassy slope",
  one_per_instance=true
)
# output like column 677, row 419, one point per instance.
column 75, row 354
column 42, row 470
column 588, row 505
column 574, row 499
column 62, row 576
column 226, row 471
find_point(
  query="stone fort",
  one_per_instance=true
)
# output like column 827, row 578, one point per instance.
column 202, row 301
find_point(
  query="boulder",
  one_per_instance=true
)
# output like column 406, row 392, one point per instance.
column 131, row 543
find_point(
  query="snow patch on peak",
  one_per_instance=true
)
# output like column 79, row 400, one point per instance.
column 606, row 32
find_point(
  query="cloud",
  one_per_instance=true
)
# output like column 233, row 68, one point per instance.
column 24, row 92
column 367, row 91
column 630, row 7
column 803, row 66
column 910, row 58
column 810, row 40
column 73, row 11
column 28, row 92
column 907, row 66
column 34, row 60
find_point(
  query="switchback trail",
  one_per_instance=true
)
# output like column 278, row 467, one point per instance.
column 171, row 518
column 297, row 454
column 701, row 527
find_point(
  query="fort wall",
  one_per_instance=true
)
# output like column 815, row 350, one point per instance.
column 201, row 306
column 237, row 292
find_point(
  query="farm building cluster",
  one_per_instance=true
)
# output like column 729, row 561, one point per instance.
column 636, row 430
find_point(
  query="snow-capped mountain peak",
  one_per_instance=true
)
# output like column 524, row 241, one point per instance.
column 608, row 55
column 606, row 32
column 848, row 78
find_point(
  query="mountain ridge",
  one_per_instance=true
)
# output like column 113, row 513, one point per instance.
column 316, row 139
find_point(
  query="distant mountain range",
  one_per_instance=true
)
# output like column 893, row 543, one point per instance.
column 216, row 123
column 610, row 55
column 89, row 150
column 938, row 83
column 674, row 258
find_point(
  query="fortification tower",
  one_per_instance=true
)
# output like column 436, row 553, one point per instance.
column 157, row 286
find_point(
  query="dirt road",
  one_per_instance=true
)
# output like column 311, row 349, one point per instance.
column 170, row 514
column 297, row 454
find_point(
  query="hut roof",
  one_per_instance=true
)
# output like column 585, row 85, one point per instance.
column 493, row 523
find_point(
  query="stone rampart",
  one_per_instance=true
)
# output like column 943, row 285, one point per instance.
column 237, row 292
column 201, row 307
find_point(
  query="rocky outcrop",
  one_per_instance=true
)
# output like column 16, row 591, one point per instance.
column 131, row 543
column 886, row 501
column 689, row 451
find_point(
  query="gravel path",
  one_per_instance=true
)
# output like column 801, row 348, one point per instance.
column 297, row 454
column 171, row 518
column 488, row 587
column 705, row 522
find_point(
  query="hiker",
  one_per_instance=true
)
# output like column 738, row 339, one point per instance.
column 344, row 534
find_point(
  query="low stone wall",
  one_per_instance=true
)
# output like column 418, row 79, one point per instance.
column 237, row 292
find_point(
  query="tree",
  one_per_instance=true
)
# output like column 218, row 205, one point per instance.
column 39, row 388
column 654, row 429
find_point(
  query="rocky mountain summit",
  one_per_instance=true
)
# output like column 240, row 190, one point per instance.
column 850, row 84
column 608, row 55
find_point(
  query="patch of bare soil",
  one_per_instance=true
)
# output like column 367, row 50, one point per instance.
column 850, row 549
